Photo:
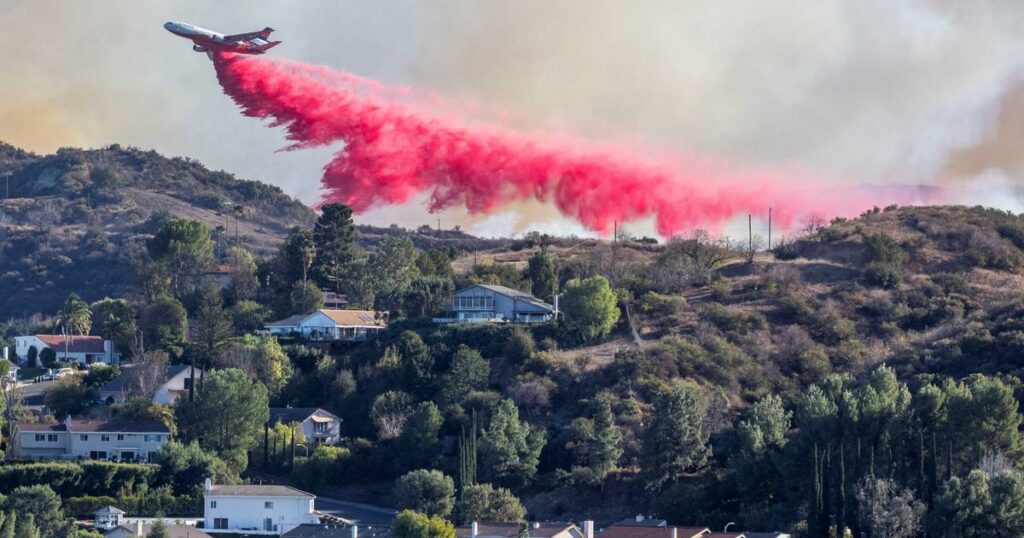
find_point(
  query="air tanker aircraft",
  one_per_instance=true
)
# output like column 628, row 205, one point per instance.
column 209, row 41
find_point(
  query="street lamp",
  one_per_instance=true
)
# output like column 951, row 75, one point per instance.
column 726, row 529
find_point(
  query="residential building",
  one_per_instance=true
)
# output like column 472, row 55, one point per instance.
column 139, row 528
column 645, row 528
column 82, row 349
column 512, row 530
column 270, row 509
column 492, row 303
column 335, row 301
column 331, row 325
column 108, row 517
column 318, row 426
column 749, row 534
column 96, row 439
column 219, row 274
column 171, row 382
column 337, row 531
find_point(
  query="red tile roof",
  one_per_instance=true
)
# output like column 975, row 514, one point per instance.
column 76, row 344
column 98, row 425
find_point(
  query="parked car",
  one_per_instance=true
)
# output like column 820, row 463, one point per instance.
column 58, row 373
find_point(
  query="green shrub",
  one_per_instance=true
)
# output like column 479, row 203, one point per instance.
column 883, row 275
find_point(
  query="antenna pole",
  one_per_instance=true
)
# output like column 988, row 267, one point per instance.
column 750, row 235
column 769, row 229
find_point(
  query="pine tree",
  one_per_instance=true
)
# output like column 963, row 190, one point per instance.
column 9, row 526
column 334, row 237
column 543, row 277
column 606, row 446
column 676, row 441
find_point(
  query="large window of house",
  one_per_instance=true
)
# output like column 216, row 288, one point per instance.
column 104, row 438
column 40, row 437
column 83, row 437
column 98, row 454
column 213, row 504
column 320, row 427
column 469, row 302
column 268, row 504
column 51, row 438
column 120, row 437
column 220, row 523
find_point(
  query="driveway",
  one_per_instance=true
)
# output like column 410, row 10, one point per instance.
column 359, row 513
column 33, row 392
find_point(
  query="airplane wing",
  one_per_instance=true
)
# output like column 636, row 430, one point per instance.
column 262, row 34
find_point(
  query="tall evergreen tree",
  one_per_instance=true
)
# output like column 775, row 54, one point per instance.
column 543, row 277
column 334, row 237
column 606, row 447
column 510, row 447
column 676, row 441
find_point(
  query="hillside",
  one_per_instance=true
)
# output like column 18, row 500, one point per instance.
column 72, row 219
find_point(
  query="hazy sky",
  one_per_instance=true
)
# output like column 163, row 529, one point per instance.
column 869, row 91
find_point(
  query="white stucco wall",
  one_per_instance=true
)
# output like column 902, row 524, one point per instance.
column 249, row 512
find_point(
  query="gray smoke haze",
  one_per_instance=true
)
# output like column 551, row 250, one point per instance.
column 865, row 91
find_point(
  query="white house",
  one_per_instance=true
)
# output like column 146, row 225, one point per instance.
column 140, row 528
column 108, row 517
column 96, row 439
column 492, row 303
column 331, row 325
column 82, row 349
column 318, row 426
column 270, row 510
column 174, row 381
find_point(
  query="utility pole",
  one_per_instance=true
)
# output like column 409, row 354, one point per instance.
column 769, row 229
column 439, row 226
column 750, row 235
column 615, row 232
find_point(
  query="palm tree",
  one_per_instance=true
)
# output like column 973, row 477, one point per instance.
column 75, row 317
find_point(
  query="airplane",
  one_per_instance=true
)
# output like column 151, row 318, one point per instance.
column 208, row 41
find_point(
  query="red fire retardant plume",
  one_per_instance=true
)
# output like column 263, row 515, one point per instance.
column 394, row 150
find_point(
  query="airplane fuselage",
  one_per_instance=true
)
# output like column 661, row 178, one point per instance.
column 204, row 40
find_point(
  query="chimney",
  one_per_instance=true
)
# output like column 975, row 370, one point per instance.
column 207, row 484
column 138, row 528
column 67, row 423
column 108, row 350
column 474, row 529
column 535, row 525
column 354, row 531
column 674, row 533
column 639, row 518
column 556, row 305
column 6, row 357
column 588, row 528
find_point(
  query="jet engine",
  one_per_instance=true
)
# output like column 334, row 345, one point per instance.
column 197, row 48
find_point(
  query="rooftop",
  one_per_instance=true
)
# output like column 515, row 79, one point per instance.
column 511, row 530
column 257, row 491
column 336, row 531
column 75, row 344
column 173, row 531
column 287, row 415
column 632, row 530
column 509, row 292
column 112, row 425
column 119, row 383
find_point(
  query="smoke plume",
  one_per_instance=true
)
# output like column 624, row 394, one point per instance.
column 395, row 149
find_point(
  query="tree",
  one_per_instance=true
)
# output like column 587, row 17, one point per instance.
column 415, row 364
column 426, row 295
column 262, row 357
column 68, row 396
column 184, row 467
column 227, row 415
column 389, row 271
column 390, row 411
column 676, row 440
column 334, row 237
column 114, row 320
column 590, row 307
column 886, row 511
column 244, row 283
column 510, row 447
column 158, row 530
column 212, row 327
column 12, row 401
column 305, row 297
column 691, row 260
column 248, row 316
column 428, row 491
column 469, row 372
column 37, row 505
column 981, row 505
column 75, row 316
column 606, row 446
column 418, row 443
column 483, row 502
column 164, row 324
column 184, row 248
column 519, row 347
column 25, row 526
column 144, row 378
column 411, row 524
column 543, row 277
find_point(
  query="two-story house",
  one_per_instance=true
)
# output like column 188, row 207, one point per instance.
column 270, row 509
column 318, row 426
column 82, row 349
column 331, row 325
column 493, row 303
column 97, row 439
column 171, row 382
